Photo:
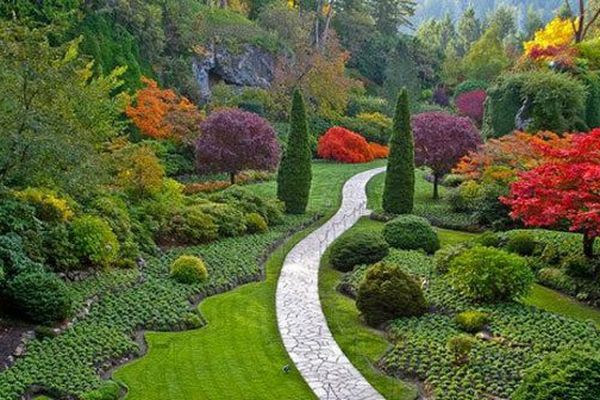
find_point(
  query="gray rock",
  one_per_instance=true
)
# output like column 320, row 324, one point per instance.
column 252, row 66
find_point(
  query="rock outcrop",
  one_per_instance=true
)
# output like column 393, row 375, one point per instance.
column 251, row 66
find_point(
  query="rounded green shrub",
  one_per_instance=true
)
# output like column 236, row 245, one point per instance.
column 522, row 243
column 490, row 275
column 489, row 239
column 409, row 232
column 446, row 254
column 387, row 292
column 569, row 374
column 94, row 240
column 472, row 321
column 460, row 346
column 358, row 248
column 41, row 296
column 189, row 225
column 189, row 269
column 255, row 223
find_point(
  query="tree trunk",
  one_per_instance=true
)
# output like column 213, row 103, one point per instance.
column 232, row 178
column 588, row 245
column 436, row 193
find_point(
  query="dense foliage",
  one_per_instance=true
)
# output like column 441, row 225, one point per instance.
column 387, row 293
column 189, row 270
column 399, row 189
column 409, row 232
column 340, row 144
column 356, row 249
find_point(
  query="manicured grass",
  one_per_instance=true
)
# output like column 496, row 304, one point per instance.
column 362, row 345
column 450, row 237
column 239, row 354
column 553, row 301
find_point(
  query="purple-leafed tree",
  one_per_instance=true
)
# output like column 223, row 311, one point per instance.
column 233, row 140
column 441, row 140
column 472, row 105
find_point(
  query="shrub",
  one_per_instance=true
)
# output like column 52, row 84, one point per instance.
column 578, row 266
column 469, row 86
column 490, row 275
column 472, row 321
column 189, row 225
column 340, row 144
column 466, row 196
column 188, row 270
column 387, row 293
column 230, row 221
column 440, row 97
column 41, row 296
column 255, row 223
column 488, row 239
column 409, row 232
column 295, row 174
column 446, row 255
column 472, row 105
column 358, row 248
column 59, row 250
column 554, row 102
column 378, row 150
column 522, row 243
column 49, row 207
column 247, row 202
column 460, row 346
column 399, row 188
column 569, row 374
column 374, row 127
column 94, row 241
column 367, row 104
column 556, row 279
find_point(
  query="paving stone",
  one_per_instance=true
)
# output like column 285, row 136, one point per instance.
column 300, row 318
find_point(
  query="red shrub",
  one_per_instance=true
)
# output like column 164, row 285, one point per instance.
column 342, row 145
column 472, row 105
column 379, row 150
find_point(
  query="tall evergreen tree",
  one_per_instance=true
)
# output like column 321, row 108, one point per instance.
column 295, row 174
column 399, row 190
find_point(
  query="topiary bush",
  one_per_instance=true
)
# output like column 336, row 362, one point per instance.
column 189, row 270
column 255, row 223
column 41, row 296
column 409, row 232
column 490, row 275
column 94, row 241
column 387, row 292
column 472, row 321
column 522, row 243
column 358, row 248
column 568, row 374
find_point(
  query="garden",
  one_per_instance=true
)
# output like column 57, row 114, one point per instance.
column 160, row 160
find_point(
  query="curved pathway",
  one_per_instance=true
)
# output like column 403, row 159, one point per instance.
column 301, row 321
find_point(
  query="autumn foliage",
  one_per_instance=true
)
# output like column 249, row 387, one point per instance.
column 379, row 150
column 472, row 105
column 343, row 145
column 162, row 114
column 554, row 42
column 564, row 189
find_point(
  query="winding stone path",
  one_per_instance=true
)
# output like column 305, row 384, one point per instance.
column 301, row 321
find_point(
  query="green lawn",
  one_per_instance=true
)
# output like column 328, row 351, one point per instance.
column 238, row 355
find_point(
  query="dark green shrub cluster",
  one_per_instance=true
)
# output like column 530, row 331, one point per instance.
column 568, row 374
column 554, row 102
column 472, row 321
column 358, row 248
column 189, row 225
column 189, row 269
column 490, row 275
column 110, row 390
column 460, row 346
column 522, row 243
column 387, row 293
column 444, row 257
column 409, row 232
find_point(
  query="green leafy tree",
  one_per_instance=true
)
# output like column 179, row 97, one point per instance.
column 54, row 116
column 469, row 29
column 399, row 189
column 504, row 20
column 486, row 59
column 390, row 14
column 295, row 174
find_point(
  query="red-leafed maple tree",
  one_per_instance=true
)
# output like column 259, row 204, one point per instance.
column 162, row 114
column 343, row 145
column 565, row 190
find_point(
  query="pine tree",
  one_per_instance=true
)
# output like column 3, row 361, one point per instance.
column 295, row 174
column 399, row 190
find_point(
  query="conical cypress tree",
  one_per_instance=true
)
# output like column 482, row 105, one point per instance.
column 399, row 190
column 295, row 173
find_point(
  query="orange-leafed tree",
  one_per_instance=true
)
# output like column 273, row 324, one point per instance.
column 343, row 145
column 162, row 114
